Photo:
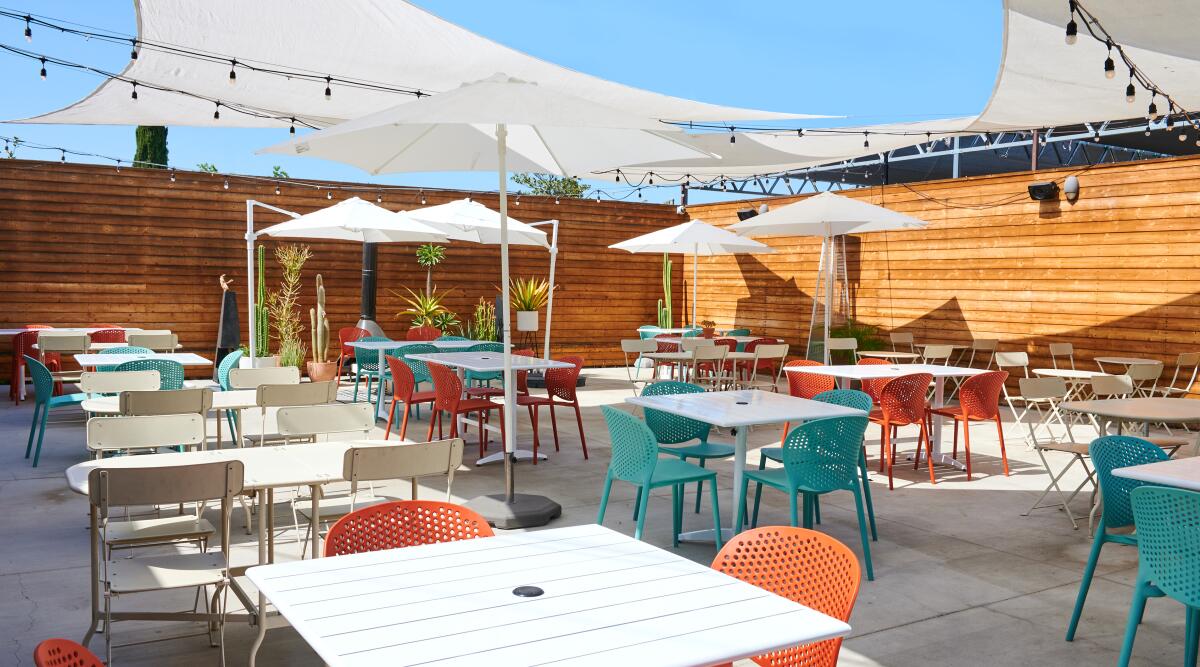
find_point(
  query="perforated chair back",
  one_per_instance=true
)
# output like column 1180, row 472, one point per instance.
column 1112, row 386
column 146, row 432
column 446, row 386
column 126, row 349
column 822, row 454
column 159, row 341
column 979, row 395
column 366, row 358
column 634, row 449
column 562, row 382
column 847, row 398
column 1168, row 530
column 426, row 459
column 43, row 379
column 807, row 385
column 801, row 565
column 452, row 338
column 738, row 332
column 170, row 372
column 404, row 523
column 113, row 382
column 353, row 419
column 251, row 378
column 64, row 653
column 1120, row 451
column 228, row 363
column 349, row 335
column 871, row 387
column 286, row 395
column 670, row 429
column 423, row 333
column 107, row 336
column 902, row 399
column 419, row 370
column 403, row 382
column 170, row 402
column 1043, row 388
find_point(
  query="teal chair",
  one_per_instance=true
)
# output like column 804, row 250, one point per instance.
column 847, row 398
column 692, row 332
column 44, row 401
column 819, row 456
column 484, row 379
column 452, row 338
column 647, row 331
column 669, row 429
column 741, row 347
column 1168, row 560
column 635, row 460
column 228, row 363
column 170, row 373
column 366, row 365
column 1109, row 453
column 124, row 349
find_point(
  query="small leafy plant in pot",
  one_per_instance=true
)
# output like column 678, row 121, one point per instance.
column 320, row 369
column 283, row 305
column 708, row 328
column 528, row 296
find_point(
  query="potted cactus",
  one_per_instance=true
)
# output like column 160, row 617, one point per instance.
column 320, row 369
column 262, row 321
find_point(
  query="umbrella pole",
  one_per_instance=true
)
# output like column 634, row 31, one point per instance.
column 510, row 510
column 250, row 321
column 695, row 260
column 829, row 274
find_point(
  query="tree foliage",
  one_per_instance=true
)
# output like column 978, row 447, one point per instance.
column 550, row 185
column 151, row 148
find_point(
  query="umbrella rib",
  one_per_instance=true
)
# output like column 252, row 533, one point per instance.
column 383, row 165
column 545, row 144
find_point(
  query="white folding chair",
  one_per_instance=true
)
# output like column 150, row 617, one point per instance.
column 1145, row 378
column 848, row 345
column 1062, row 351
column 160, row 340
column 1050, row 392
column 633, row 349
column 776, row 352
column 902, row 339
column 710, row 358
column 983, row 349
column 1187, row 366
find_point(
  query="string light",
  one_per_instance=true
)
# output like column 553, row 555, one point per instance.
column 329, row 194
column 1096, row 137
column 43, row 72
column 292, row 127
column 28, row 30
column 1110, row 67
column 799, row 132
column 732, row 140
column 556, row 201
column 133, row 50
column 1147, row 128
column 1152, row 110
column 232, row 73
column 1130, row 91
column 217, row 112
column 133, row 94
column 63, row 159
column 118, row 166
column 618, row 177
column 225, row 184
column 172, row 175
column 328, row 89
column 866, row 141
column 276, row 190
column 1072, row 27
column 518, row 201
column 651, row 178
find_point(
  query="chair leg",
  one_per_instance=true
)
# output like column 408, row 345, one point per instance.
column 387, row 430
column 433, row 416
column 676, row 512
column 862, row 533
column 1000, row 433
column 1084, row 584
column 637, row 503
column 954, row 452
column 33, row 427
column 553, row 425
column 866, row 485
column 643, row 501
column 886, row 460
column 1192, row 636
column 816, row 509
column 716, row 510
column 928, row 451
column 37, row 450
column 700, row 486
column 794, row 514
column 604, row 499
column 357, row 377
column 1137, row 606
column 783, row 436
column 757, row 497
column 404, row 422
column 966, row 443
column 533, row 421
column 582, row 438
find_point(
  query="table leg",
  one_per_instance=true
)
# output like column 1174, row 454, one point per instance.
column 315, row 490
column 379, row 414
column 935, row 438
column 93, row 540
column 260, row 614
column 739, row 471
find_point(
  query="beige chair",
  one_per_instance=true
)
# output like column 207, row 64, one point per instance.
column 1145, row 378
column 143, row 434
column 695, row 342
column 114, row 488
column 169, row 402
column 410, row 461
column 848, row 345
column 982, row 350
column 902, row 339
column 1011, row 361
column 160, row 340
column 65, row 345
column 115, row 382
column 1112, row 386
column 776, row 352
column 938, row 355
column 1187, row 366
column 1064, row 352
column 1050, row 392
column 708, row 367
column 251, row 378
column 633, row 349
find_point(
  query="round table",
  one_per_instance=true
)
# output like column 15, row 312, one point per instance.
column 889, row 354
column 1124, row 361
column 1067, row 373
column 1145, row 410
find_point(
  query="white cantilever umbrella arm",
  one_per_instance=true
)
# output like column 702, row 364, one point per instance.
column 251, row 236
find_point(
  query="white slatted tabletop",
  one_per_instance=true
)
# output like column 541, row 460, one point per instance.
column 608, row 599
column 98, row 360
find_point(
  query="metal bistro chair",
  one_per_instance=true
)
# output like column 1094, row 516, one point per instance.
column 1108, row 454
column 144, row 434
column 633, row 349
column 110, row 488
column 672, row 431
column 1183, row 362
column 635, row 461
column 171, row 402
column 158, row 341
column 1062, row 351
column 291, row 395
column 847, row 345
column 768, row 357
column 1145, row 378
column 902, row 339
column 984, row 349
column 1051, row 391
column 58, row 346
column 112, row 383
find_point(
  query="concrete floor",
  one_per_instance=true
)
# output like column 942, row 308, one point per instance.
column 961, row 576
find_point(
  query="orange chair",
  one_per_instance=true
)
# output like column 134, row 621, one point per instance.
column 403, row 523
column 108, row 336
column 22, row 345
column 871, row 387
column 449, row 399
column 64, row 653
column 664, row 346
column 423, row 333
column 801, row 565
column 404, row 390
column 348, row 335
column 560, row 392
column 902, row 403
column 805, row 385
column 978, row 400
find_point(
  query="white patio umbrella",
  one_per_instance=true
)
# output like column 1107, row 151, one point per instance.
column 696, row 238
column 350, row 220
column 496, row 124
column 826, row 215
column 468, row 220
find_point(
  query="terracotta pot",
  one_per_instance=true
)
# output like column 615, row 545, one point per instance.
column 323, row 371
column 708, row 332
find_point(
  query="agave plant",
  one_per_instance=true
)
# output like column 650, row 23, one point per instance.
column 423, row 308
column 529, row 293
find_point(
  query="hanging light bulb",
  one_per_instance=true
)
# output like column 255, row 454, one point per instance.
column 1152, row 110
column 1130, row 91
column 799, row 132
column 217, row 112
column 1110, row 67
column 422, row 198
column 1072, row 27
column 63, row 159
column 1170, row 122
column 28, row 30
column 1183, row 136
column 133, row 50
column 118, row 166
column 1147, row 128
column 292, row 128
column 866, row 141
column 225, row 185
column 379, row 198
column 732, row 140
column 618, row 178
column 651, row 178
column 133, row 94
column 276, row 189
column 597, row 196
column 43, row 72
column 328, row 89
column 556, row 201
column 1096, row 137
column 329, row 194
column 639, row 190
column 518, row 201
column 232, row 73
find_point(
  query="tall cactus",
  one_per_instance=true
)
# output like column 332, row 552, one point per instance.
column 262, row 320
column 664, row 304
column 319, row 325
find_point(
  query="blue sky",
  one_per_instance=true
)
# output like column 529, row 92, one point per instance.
column 868, row 60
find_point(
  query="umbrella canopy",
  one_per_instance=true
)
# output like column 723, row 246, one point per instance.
column 467, row 220
column 826, row 214
column 357, row 220
column 695, row 238
column 549, row 131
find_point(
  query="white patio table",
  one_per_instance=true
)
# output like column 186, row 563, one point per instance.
column 1156, row 410
column 1182, row 473
column 1123, row 361
column 98, row 360
column 741, row 340
column 583, row 595
column 889, row 354
column 490, row 362
column 382, row 346
column 739, row 410
column 846, row 373
column 658, row 331
column 266, row 469
column 64, row 330
column 108, row 346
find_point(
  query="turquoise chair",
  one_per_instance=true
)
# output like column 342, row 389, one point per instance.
column 847, row 398
column 1109, row 453
column 44, row 401
column 228, row 363
column 170, row 373
column 635, row 460
column 672, row 429
column 741, row 347
column 1168, row 560
column 692, row 333
column 124, row 349
column 452, row 338
column 819, row 456
column 482, row 379
column 647, row 331
column 366, row 364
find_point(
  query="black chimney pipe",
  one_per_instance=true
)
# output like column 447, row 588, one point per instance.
column 370, row 262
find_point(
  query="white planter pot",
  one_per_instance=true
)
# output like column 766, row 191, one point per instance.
column 259, row 362
column 527, row 320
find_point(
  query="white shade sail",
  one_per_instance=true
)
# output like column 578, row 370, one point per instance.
column 694, row 237
column 393, row 44
column 357, row 220
column 549, row 131
column 826, row 214
column 467, row 220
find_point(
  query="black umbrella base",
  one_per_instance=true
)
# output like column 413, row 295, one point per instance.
column 525, row 510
